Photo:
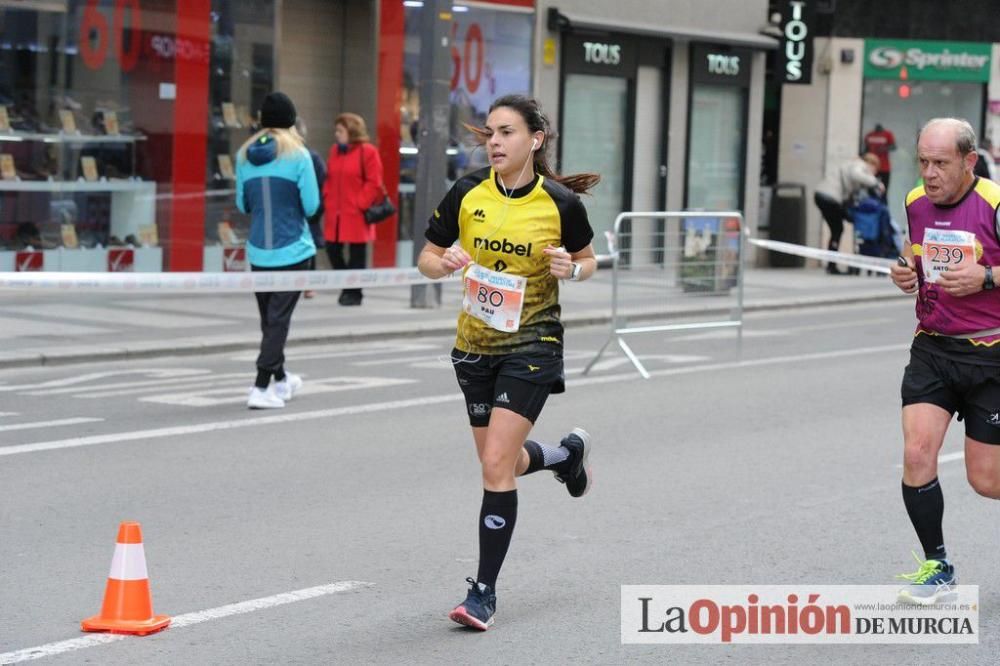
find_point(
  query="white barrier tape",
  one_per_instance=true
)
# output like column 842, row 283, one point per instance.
column 876, row 264
column 243, row 281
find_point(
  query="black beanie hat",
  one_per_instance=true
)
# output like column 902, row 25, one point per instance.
column 277, row 111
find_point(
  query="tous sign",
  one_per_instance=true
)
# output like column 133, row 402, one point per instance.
column 602, row 54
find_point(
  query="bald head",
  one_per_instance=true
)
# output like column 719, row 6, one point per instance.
column 946, row 152
column 959, row 128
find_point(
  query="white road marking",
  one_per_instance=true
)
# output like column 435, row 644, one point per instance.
column 241, row 380
column 153, row 373
column 419, row 402
column 2, row 414
column 186, row 620
column 158, row 433
column 234, row 395
column 182, row 377
column 423, row 358
column 49, row 424
column 612, row 362
column 341, row 351
column 785, row 331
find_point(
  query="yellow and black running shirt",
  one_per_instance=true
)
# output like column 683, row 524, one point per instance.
column 508, row 235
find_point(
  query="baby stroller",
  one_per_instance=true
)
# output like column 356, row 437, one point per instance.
column 876, row 233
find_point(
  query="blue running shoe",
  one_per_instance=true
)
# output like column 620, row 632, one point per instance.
column 478, row 608
column 578, row 476
column 932, row 583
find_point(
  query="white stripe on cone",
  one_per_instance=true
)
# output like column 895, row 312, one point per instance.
column 129, row 562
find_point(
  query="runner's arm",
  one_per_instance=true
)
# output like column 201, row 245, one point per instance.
column 587, row 260
column 561, row 262
column 436, row 262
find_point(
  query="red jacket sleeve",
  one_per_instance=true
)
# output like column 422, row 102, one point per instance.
column 371, row 191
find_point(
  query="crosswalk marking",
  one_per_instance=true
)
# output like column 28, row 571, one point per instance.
column 142, row 386
column 342, row 351
column 233, row 395
column 157, row 374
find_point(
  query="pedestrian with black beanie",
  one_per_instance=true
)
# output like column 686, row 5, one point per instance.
column 276, row 185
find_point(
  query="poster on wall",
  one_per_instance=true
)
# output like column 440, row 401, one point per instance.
column 710, row 262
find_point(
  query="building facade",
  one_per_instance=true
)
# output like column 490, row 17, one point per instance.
column 120, row 119
column 895, row 64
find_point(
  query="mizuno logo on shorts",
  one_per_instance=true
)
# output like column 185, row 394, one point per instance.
column 532, row 367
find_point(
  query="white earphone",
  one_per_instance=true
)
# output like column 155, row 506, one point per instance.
column 534, row 143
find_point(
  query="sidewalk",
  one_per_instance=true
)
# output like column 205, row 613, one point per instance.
column 44, row 329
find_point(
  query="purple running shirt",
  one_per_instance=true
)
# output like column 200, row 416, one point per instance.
column 938, row 312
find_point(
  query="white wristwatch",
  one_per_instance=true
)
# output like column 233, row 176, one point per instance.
column 574, row 274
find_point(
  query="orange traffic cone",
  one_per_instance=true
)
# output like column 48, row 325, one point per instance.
column 128, row 604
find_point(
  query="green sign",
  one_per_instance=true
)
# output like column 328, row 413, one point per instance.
column 927, row 61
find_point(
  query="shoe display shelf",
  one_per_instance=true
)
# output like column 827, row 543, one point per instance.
column 133, row 202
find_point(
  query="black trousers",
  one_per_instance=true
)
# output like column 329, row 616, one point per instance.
column 884, row 177
column 357, row 255
column 834, row 214
column 275, row 309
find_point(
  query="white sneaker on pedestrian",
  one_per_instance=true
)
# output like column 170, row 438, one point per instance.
column 264, row 399
column 288, row 387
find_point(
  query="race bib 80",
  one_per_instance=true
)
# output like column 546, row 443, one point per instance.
column 496, row 298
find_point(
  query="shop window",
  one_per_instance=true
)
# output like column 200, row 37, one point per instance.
column 241, row 74
column 491, row 57
column 715, row 155
column 87, row 108
column 77, row 178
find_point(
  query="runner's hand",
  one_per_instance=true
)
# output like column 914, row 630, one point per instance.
column 964, row 280
column 560, row 262
column 904, row 277
column 454, row 258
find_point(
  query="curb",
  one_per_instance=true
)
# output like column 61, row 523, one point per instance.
column 381, row 332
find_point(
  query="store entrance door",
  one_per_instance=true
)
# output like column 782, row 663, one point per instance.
column 595, row 139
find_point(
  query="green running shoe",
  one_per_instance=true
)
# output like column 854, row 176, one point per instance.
column 932, row 583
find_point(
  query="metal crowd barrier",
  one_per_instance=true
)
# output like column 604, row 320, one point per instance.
column 677, row 256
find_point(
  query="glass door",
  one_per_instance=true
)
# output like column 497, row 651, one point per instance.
column 715, row 150
column 594, row 140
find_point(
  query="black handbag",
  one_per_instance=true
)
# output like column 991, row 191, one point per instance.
column 380, row 210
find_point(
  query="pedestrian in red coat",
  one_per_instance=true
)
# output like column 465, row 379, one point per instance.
column 353, row 184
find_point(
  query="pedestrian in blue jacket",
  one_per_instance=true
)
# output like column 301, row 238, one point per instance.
column 276, row 186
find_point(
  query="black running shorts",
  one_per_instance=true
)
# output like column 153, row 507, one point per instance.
column 972, row 391
column 520, row 382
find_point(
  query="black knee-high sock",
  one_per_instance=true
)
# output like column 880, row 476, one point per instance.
column 496, row 525
column 543, row 456
column 925, row 506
